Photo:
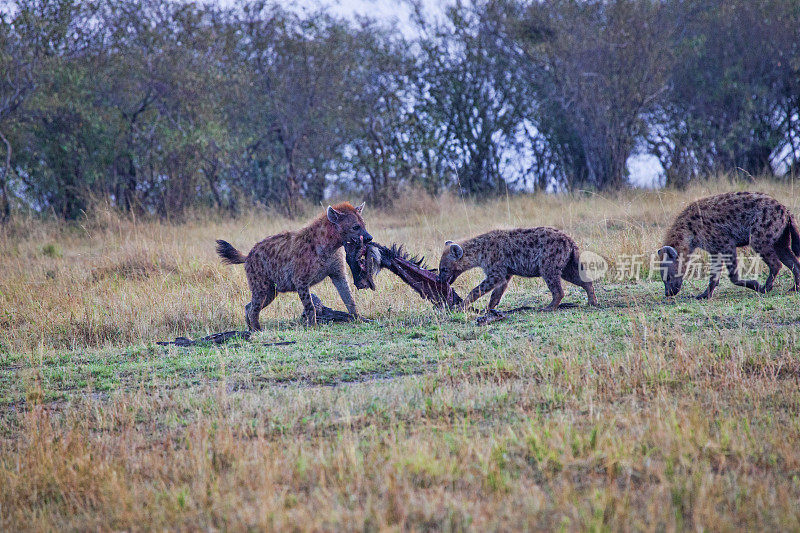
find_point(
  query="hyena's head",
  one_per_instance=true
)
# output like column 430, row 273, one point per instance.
column 450, row 265
column 348, row 222
column 670, row 270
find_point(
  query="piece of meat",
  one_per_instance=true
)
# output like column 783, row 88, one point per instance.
column 367, row 259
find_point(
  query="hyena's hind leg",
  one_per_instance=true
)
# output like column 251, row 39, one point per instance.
column 787, row 258
column 262, row 296
column 731, row 261
column 309, row 311
column 767, row 251
column 553, row 281
column 784, row 252
column 774, row 263
column 572, row 274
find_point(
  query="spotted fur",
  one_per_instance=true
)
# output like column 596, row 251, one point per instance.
column 722, row 223
column 294, row 261
column 536, row 252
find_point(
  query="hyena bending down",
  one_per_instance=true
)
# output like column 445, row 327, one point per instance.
column 534, row 252
column 719, row 224
column 297, row 260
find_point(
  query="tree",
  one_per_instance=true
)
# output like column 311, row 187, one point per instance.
column 303, row 80
column 161, row 106
column 32, row 33
column 469, row 94
column 730, row 107
column 597, row 69
column 378, row 155
column 165, row 116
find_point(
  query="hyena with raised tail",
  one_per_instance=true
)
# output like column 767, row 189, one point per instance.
column 535, row 252
column 294, row 261
column 720, row 224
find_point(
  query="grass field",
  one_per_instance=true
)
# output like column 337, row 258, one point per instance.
column 644, row 414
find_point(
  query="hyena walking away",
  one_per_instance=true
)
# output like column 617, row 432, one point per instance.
column 297, row 260
column 719, row 224
column 534, row 252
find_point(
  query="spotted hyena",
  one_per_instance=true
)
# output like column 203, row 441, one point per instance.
column 297, row 260
column 546, row 252
column 720, row 224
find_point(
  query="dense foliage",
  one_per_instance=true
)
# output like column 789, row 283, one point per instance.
column 157, row 107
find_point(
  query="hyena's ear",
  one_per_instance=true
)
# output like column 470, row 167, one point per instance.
column 456, row 251
column 360, row 208
column 670, row 252
column 334, row 215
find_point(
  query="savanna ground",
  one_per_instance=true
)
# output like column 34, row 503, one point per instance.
column 644, row 414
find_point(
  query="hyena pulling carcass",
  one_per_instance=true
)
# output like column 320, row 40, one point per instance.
column 720, row 224
column 546, row 252
column 297, row 260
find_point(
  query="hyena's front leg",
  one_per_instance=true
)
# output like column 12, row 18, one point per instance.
column 340, row 282
column 497, row 294
column 492, row 280
column 309, row 311
column 716, row 271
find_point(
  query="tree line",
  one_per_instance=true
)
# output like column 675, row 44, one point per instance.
column 161, row 106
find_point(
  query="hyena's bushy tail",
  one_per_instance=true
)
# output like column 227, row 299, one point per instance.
column 792, row 227
column 574, row 262
column 229, row 254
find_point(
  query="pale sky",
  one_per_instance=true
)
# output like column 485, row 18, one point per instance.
column 397, row 11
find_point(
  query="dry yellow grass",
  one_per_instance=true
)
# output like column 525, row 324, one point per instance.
column 112, row 280
column 637, row 416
